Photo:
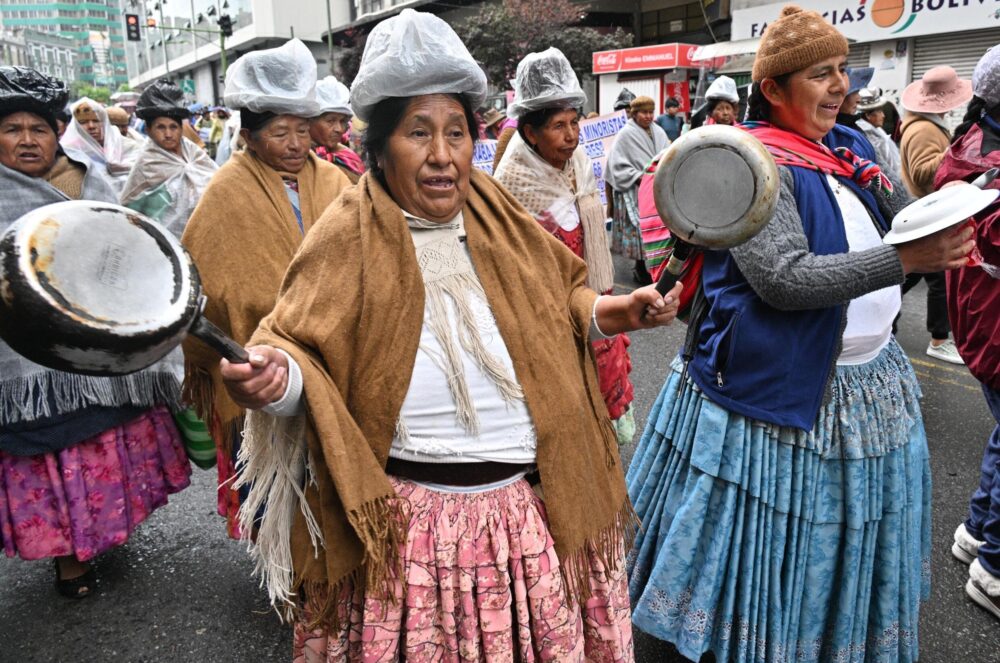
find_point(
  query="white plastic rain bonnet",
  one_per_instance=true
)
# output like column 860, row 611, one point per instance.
column 723, row 88
column 333, row 97
column 412, row 54
column 278, row 80
column 545, row 80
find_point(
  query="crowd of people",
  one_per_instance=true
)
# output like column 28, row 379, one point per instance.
column 423, row 449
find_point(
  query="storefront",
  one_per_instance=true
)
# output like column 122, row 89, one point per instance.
column 661, row 71
column 901, row 39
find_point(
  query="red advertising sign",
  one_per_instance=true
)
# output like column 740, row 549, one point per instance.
column 660, row 56
column 680, row 91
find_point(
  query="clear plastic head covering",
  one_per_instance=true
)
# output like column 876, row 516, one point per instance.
column 333, row 96
column 278, row 80
column 724, row 88
column 412, row 54
column 545, row 80
column 986, row 78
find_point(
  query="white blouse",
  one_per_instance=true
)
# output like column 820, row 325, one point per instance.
column 869, row 317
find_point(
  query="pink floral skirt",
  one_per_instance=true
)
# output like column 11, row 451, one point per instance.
column 88, row 498
column 482, row 584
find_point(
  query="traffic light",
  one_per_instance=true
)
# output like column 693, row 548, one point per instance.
column 150, row 22
column 132, row 27
column 226, row 25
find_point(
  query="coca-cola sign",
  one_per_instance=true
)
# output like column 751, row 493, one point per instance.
column 660, row 56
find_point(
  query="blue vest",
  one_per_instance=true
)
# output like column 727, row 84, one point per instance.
column 762, row 362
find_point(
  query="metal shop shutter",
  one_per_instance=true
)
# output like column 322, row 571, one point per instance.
column 961, row 50
column 858, row 55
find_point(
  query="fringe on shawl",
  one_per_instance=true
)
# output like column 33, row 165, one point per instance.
column 596, row 252
column 198, row 391
column 382, row 527
column 460, row 287
column 609, row 547
column 272, row 462
column 53, row 392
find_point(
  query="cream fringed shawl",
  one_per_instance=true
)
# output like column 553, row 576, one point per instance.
column 350, row 313
column 538, row 186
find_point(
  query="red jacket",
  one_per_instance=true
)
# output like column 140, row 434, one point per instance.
column 973, row 295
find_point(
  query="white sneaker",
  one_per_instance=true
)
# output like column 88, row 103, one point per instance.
column 945, row 352
column 966, row 548
column 984, row 588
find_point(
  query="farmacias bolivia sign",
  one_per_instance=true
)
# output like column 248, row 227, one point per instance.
column 876, row 20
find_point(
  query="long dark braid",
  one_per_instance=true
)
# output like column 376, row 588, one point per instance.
column 758, row 107
column 972, row 116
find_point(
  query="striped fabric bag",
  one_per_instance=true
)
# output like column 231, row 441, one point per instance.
column 198, row 442
column 655, row 235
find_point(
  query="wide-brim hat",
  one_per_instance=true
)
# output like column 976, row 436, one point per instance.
column 858, row 77
column 491, row 117
column 870, row 99
column 938, row 91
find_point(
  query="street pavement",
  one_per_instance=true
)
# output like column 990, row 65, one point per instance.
column 180, row 591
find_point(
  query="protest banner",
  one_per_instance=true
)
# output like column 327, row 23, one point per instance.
column 482, row 156
column 597, row 136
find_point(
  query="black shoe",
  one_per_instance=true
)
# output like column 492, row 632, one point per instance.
column 76, row 588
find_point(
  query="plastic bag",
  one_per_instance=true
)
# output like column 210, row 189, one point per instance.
column 411, row 54
column 624, row 99
column 162, row 99
column 278, row 80
column 545, row 80
column 333, row 96
column 724, row 88
column 22, row 88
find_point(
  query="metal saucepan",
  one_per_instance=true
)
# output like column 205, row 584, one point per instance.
column 715, row 188
column 99, row 289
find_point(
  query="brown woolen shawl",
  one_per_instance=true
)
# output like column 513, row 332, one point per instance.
column 242, row 235
column 350, row 312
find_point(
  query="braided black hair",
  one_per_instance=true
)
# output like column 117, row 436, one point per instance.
column 758, row 107
column 972, row 116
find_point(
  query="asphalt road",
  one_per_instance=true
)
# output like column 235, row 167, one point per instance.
column 180, row 591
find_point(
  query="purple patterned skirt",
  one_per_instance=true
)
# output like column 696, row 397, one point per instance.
column 88, row 498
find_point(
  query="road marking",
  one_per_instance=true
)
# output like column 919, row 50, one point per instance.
column 941, row 380
column 930, row 364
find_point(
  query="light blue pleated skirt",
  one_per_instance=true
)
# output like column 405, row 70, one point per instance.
column 764, row 543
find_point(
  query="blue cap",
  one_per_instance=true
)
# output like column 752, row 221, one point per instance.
column 859, row 77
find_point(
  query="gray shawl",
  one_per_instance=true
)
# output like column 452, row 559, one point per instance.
column 632, row 153
column 29, row 391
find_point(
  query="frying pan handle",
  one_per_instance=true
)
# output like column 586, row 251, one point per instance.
column 218, row 341
column 672, row 272
column 986, row 178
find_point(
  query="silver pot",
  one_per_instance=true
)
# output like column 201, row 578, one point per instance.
column 715, row 188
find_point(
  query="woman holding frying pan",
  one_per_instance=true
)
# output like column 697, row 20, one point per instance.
column 83, row 460
column 436, row 340
column 784, row 486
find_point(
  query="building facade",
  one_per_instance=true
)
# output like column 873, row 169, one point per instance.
column 185, row 44
column 901, row 40
column 94, row 26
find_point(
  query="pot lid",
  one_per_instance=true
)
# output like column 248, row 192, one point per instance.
column 939, row 210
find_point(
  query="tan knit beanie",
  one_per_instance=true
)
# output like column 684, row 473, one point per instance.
column 797, row 39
